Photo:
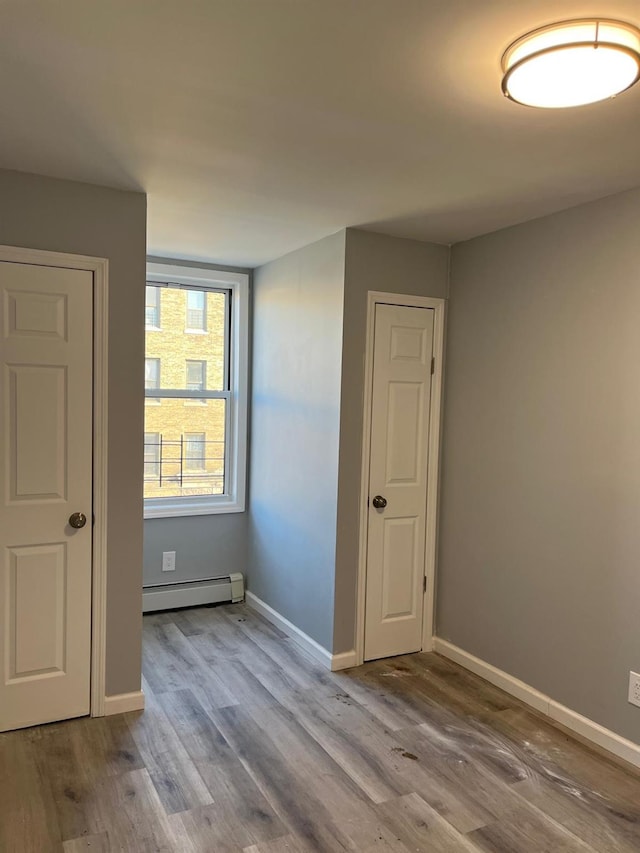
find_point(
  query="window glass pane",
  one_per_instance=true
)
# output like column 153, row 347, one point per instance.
column 173, row 347
column 152, row 373
column 196, row 310
column 151, row 456
column 152, row 307
column 194, row 451
column 191, row 449
column 196, row 375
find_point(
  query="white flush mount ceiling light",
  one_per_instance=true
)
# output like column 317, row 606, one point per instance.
column 572, row 63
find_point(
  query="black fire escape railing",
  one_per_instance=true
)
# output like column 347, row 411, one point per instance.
column 174, row 462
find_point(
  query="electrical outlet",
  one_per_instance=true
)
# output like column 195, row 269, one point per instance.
column 168, row 561
column 634, row 688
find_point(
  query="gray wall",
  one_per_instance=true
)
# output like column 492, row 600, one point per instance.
column 297, row 342
column 540, row 511
column 64, row 216
column 393, row 265
column 205, row 545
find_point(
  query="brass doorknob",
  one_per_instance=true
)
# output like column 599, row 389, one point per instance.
column 77, row 520
column 379, row 502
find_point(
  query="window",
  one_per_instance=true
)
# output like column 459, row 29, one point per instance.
column 196, row 375
column 151, row 456
column 195, row 454
column 151, row 373
column 152, row 307
column 195, row 442
column 196, row 311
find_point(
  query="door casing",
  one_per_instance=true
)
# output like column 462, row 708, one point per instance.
column 100, row 269
column 435, row 419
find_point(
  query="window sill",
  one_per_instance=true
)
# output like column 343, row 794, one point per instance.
column 195, row 331
column 178, row 509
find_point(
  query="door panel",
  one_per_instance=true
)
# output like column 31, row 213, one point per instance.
column 399, row 566
column 36, row 428
column 36, row 313
column 35, row 641
column 403, row 347
column 46, row 406
column 404, row 433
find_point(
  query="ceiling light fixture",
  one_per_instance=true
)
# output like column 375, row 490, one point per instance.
column 572, row 63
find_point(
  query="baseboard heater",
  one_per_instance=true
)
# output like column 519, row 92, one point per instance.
column 168, row 596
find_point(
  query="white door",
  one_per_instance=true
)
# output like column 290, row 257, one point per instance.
column 402, row 358
column 46, row 321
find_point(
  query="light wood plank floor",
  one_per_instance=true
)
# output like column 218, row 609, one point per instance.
column 248, row 745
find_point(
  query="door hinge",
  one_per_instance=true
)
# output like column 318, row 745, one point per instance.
column 424, row 583
column 433, row 365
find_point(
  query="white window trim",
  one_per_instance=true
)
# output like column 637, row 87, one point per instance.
column 236, row 450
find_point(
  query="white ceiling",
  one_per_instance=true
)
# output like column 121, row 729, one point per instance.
column 257, row 126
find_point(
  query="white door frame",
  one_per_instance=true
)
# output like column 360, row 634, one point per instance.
column 100, row 269
column 438, row 305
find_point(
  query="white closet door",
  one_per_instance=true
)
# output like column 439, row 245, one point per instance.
column 46, row 321
column 403, row 349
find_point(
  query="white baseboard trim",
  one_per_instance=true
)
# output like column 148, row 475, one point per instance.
column 120, row 703
column 501, row 679
column 344, row 660
column 332, row 662
column 583, row 727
